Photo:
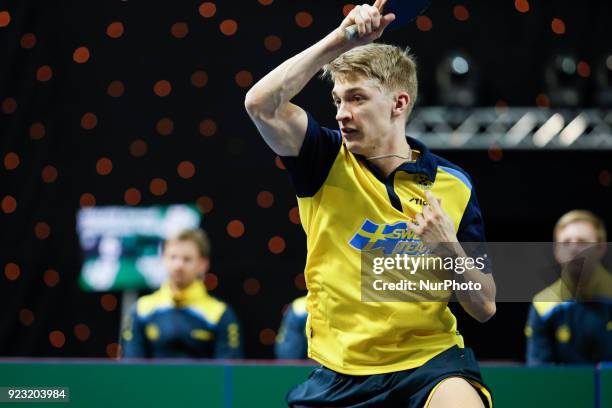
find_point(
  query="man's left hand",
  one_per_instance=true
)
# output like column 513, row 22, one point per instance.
column 433, row 225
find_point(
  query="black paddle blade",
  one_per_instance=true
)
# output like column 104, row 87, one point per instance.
column 405, row 11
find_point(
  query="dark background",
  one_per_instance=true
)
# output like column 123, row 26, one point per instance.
column 522, row 193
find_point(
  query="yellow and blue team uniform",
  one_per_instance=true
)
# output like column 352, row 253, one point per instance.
column 291, row 341
column 562, row 330
column 188, row 324
column 346, row 207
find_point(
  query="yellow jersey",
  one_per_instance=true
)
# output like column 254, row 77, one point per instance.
column 346, row 207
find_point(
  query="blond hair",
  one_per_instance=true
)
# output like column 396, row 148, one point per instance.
column 582, row 215
column 197, row 236
column 394, row 68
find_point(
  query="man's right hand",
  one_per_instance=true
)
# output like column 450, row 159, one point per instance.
column 370, row 21
column 283, row 124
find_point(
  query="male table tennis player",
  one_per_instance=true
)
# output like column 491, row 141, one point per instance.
column 181, row 320
column 353, row 185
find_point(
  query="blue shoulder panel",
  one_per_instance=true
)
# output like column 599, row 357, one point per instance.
column 311, row 167
column 459, row 174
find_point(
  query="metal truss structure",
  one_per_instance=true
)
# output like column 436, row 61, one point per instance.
column 511, row 128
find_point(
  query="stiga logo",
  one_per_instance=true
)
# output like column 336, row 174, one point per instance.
column 418, row 201
column 423, row 182
column 392, row 239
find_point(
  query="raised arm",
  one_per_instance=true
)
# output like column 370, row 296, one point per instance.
column 282, row 123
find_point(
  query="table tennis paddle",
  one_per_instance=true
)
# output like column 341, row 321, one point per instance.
column 405, row 11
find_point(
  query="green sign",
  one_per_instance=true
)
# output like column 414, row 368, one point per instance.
column 122, row 245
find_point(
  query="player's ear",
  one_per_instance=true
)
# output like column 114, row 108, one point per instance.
column 402, row 103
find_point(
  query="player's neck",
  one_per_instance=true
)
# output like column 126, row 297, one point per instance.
column 389, row 157
column 579, row 280
column 177, row 287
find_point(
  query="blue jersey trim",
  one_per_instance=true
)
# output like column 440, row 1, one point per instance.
column 567, row 303
column 393, row 197
column 153, row 312
column 457, row 174
column 426, row 163
column 549, row 313
column 188, row 309
column 192, row 311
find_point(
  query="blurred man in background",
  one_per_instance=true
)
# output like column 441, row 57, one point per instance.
column 571, row 320
column 181, row 319
column 291, row 342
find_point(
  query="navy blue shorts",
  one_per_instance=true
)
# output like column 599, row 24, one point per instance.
column 401, row 389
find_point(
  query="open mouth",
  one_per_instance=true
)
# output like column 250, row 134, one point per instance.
column 347, row 131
